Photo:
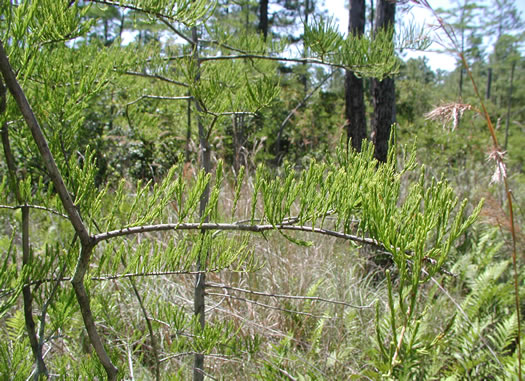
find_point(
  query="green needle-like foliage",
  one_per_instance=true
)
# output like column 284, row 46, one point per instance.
column 365, row 56
column 187, row 12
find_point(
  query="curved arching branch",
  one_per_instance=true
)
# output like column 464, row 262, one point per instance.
column 257, row 228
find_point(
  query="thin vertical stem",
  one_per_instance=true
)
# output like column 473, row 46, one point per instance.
column 188, row 132
column 453, row 40
column 27, row 295
column 28, row 300
column 86, row 239
column 510, row 209
column 200, row 278
column 154, row 345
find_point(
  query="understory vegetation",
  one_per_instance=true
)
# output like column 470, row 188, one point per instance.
column 178, row 197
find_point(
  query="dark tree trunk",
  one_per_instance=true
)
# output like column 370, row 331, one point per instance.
column 383, row 92
column 355, row 111
column 372, row 8
column 121, row 27
column 304, row 77
column 263, row 18
column 489, row 83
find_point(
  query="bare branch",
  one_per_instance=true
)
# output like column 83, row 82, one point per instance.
column 223, row 45
column 176, row 31
column 229, row 113
column 234, row 227
column 264, row 305
column 9, row 291
column 160, row 97
column 182, row 354
column 154, row 76
column 282, row 296
column 306, row 60
column 37, row 207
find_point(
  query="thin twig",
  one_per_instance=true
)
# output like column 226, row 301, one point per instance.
column 283, row 296
column 223, row 45
column 265, row 305
column 154, row 344
column 252, row 323
column 153, row 76
column 159, row 97
column 306, row 60
column 176, row 31
column 288, row 375
column 191, row 353
column 37, row 207
column 102, row 278
column 462, row 311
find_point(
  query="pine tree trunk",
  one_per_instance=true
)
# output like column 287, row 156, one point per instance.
column 263, row 18
column 489, row 83
column 372, row 8
column 304, row 75
column 383, row 92
column 355, row 111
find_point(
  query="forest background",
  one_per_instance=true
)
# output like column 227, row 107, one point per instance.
column 180, row 197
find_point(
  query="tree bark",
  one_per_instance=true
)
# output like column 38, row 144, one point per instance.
column 263, row 18
column 372, row 15
column 489, row 83
column 355, row 111
column 383, row 92
column 304, row 76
